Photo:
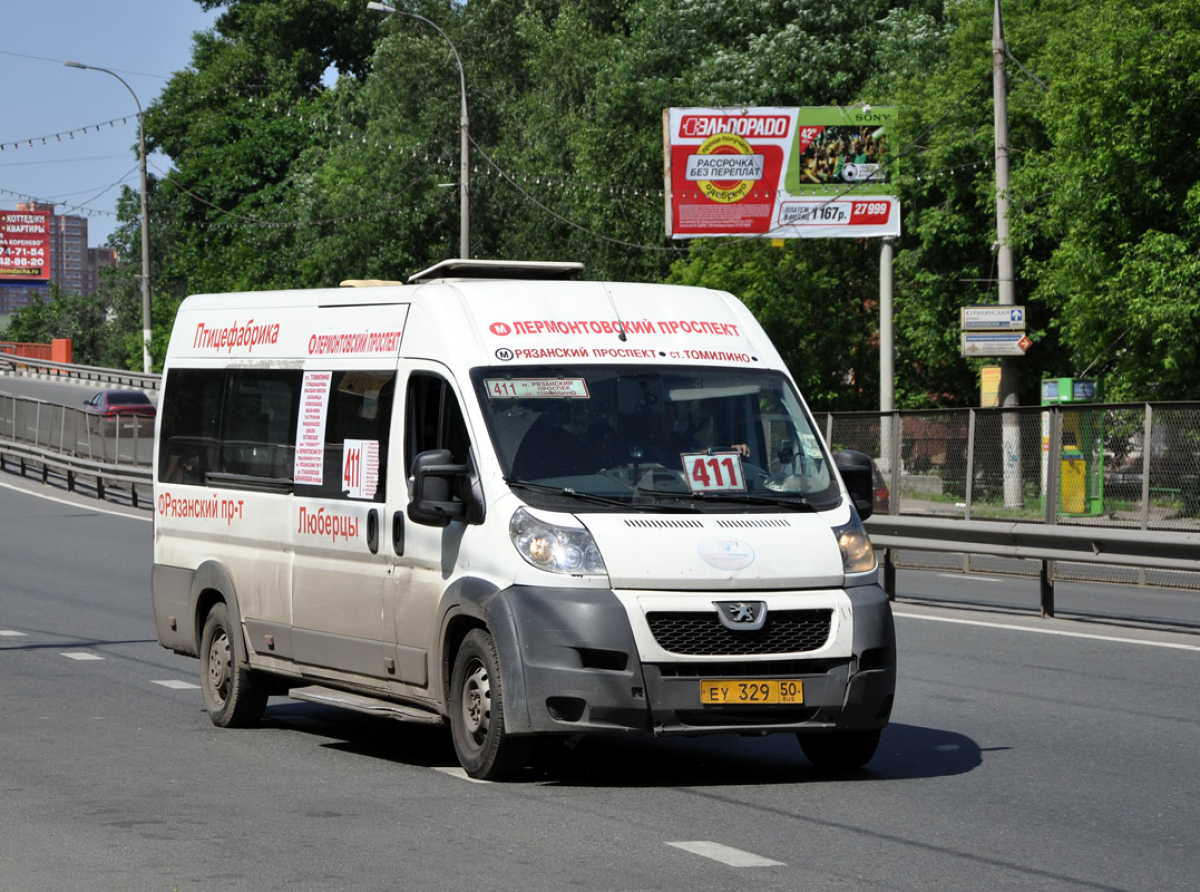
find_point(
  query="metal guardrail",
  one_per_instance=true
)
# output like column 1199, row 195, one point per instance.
column 1105, row 545
column 71, row 468
column 1046, row 543
column 93, row 374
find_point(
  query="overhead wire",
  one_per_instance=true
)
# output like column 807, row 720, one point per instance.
column 837, row 192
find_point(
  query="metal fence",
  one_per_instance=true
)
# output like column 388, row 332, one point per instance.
column 70, row 442
column 1129, row 466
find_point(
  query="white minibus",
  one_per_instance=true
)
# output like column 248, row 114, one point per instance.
column 503, row 499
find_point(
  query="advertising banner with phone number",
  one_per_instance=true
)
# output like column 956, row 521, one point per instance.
column 24, row 246
column 779, row 172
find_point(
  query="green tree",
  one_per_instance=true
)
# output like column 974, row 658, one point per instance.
column 63, row 314
column 1117, row 193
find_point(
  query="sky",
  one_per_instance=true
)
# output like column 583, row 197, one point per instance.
column 143, row 41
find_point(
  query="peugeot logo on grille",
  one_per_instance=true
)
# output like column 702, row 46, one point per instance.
column 742, row 616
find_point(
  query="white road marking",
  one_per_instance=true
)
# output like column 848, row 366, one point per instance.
column 725, row 854
column 1115, row 639
column 11, row 633
column 176, row 684
column 460, row 774
column 82, row 655
column 86, row 504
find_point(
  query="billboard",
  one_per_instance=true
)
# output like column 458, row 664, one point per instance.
column 779, row 172
column 24, row 246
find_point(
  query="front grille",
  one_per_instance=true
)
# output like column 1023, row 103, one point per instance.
column 752, row 669
column 703, row 635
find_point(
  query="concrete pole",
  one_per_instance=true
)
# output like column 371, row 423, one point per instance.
column 1011, row 430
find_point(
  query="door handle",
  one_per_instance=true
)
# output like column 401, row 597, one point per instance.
column 373, row 530
column 398, row 532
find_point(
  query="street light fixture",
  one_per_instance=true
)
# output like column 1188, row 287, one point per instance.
column 464, row 239
column 147, row 364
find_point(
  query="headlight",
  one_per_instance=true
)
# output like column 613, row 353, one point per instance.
column 857, row 554
column 553, row 548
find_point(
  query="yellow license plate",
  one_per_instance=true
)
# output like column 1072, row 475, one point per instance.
column 750, row 691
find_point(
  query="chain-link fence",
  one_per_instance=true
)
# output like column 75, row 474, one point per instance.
column 1134, row 466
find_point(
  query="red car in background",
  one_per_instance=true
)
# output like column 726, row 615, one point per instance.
column 129, row 408
column 882, row 497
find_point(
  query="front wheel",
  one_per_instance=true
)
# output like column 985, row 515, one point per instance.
column 233, row 697
column 484, row 749
column 839, row 750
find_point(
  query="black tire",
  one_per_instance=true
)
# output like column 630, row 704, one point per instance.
column 233, row 697
column 484, row 749
column 839, row 750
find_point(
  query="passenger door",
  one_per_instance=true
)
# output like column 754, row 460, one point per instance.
column 341, row 554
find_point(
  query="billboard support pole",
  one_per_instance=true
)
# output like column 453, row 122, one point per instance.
column 887, row 348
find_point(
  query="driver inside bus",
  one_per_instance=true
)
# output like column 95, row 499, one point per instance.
column 661, row 437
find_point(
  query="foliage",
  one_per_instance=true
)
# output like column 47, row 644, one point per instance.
column 63, row 315
column 315, row 140
column 1119, row 194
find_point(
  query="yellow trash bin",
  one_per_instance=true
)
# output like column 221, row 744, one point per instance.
column 1074, row 483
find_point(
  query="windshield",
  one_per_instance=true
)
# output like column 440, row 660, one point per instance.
column 613, row 436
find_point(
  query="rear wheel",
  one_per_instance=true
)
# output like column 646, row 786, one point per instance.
column 233, row 697
column 840, row 750
column 484, row 749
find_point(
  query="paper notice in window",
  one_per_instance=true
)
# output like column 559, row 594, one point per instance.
column 360, row 468
column 310, row 429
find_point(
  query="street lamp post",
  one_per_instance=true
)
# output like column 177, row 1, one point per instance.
column 147, row 365
column 464, row 238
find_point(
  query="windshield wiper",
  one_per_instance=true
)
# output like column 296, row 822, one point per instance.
column 589, row 497
column 794, row 503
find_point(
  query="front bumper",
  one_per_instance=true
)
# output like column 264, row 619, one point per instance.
column 577, row 671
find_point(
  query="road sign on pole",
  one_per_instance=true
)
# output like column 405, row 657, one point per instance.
column 992, row 317
column 994, row 343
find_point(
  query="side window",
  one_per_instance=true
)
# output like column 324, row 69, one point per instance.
column 240, row 422
column 358, row 421
column 191, row 412
column 259, row 422
column 434, row 420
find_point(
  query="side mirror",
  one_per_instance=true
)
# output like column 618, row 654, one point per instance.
column 440, row 492
column 856, row 471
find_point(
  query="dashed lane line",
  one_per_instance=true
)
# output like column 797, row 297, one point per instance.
column 178, row 685
column 725, row 854
column 82, row 655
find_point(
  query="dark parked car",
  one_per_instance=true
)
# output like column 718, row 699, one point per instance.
column 129, row 408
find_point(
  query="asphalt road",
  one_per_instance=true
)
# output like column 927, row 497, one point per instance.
column 1024, row 755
